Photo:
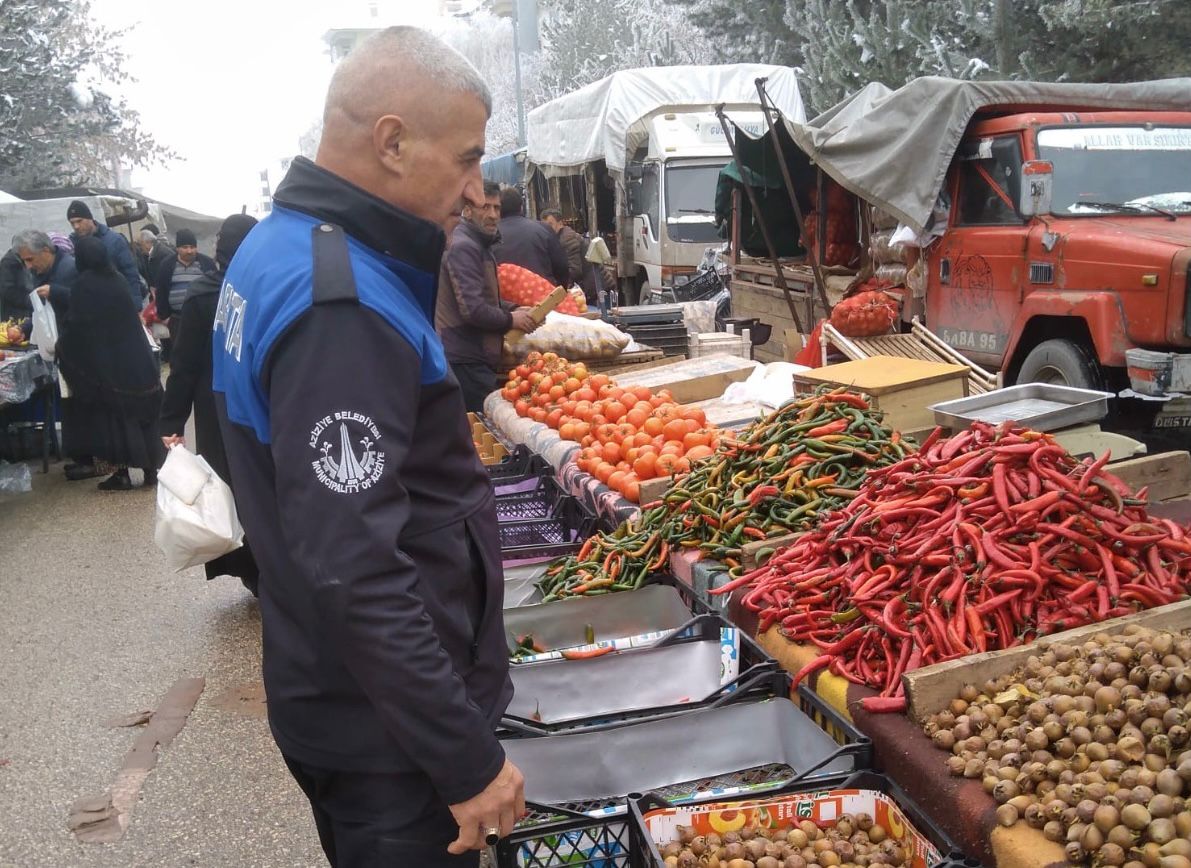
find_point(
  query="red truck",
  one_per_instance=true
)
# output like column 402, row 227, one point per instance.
column 1053, row 221
column 1066, row 249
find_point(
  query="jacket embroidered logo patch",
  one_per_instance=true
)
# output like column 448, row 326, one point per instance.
column 339, row 466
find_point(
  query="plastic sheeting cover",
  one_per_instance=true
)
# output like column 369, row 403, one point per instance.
column 893, row 147
column 594, row 122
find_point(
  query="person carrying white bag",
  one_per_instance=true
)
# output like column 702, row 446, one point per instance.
column 196, row 513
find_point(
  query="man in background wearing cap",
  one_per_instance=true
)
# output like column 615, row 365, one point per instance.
column 175, row 276
column 84, row 224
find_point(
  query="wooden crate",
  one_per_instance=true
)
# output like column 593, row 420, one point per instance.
column 1168, row 474
column 693, row 379
column 903, row 389
column 930, row 688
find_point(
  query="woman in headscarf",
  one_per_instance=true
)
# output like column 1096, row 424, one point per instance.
column 189, row 383
column 107, row 363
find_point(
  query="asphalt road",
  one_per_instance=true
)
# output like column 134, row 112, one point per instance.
column 94, row 625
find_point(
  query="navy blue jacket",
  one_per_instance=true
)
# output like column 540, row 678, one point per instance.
column 61, row 278
column 122, row 259
column 355, row 477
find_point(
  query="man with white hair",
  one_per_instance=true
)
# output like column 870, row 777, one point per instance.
column 372, row 520
column 154, row 250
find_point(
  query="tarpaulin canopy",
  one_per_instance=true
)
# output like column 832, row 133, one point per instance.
column 594, row 122
column 506, row 168
column 893, row 147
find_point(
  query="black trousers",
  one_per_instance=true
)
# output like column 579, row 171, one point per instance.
column 477, row 381
column 369, row 820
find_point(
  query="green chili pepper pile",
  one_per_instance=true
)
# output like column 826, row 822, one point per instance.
column 781, row 474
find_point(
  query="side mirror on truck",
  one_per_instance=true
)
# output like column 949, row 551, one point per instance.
column 1038, row 183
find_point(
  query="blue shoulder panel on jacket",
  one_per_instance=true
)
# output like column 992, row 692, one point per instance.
column 269, row 286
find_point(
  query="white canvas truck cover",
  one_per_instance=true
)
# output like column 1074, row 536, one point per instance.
column 893, row 147
column 595, row 122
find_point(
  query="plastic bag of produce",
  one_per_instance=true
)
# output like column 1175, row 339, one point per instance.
column 525, row 288
column 865, row 314
column 885, row 250
column 196, row 513
column 573, row 338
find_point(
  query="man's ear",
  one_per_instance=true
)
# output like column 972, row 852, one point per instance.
column 388, row 138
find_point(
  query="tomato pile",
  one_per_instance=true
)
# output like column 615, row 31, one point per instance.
column 627, row 435
column 865, row 314
column 522, row 287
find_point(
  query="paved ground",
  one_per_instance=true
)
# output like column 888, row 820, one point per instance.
column 94, row 625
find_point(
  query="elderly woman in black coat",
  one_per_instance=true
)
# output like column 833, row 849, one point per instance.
column 109, row 367
column 189, row 383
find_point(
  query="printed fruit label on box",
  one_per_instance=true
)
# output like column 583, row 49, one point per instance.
column 823, row 808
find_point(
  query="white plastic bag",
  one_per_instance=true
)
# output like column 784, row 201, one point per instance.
column 196, row 513
column 45, row 327
column 573, row 338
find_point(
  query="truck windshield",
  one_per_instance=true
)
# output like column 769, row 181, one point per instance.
column 690, row 203
column 1128, row 170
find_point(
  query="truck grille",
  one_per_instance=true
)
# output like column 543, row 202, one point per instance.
column 1042, row 272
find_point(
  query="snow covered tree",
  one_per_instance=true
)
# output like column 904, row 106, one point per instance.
column 585, row 40
column 845, row 45
column 739, row 32
column 487, row 41
column 1101, row 40
column 60, row 126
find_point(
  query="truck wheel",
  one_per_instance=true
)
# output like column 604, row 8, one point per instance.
column 1060, row 362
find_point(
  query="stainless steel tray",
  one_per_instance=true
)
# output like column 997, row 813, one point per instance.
column 1040, row 406
column 564, row 623
column 610, row 763
column 556, row 691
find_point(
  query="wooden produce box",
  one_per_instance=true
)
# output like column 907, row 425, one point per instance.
column 930, row 688
column 692, row 380
column 490, row 450
column 903, row 389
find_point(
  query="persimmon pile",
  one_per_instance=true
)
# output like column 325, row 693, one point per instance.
column 626, row 435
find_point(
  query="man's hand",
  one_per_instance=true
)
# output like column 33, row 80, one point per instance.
column 44, row 290
column 522, row 321
column 499, row 806
column 173, row 440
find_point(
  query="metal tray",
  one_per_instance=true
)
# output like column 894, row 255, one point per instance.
column 561, row 691
column 1040, row 406
column 563, row 624
column 651, row 755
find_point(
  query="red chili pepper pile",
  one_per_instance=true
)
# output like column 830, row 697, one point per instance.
column 976, row 543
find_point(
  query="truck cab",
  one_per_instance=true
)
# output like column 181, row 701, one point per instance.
column 668, row 218
column 1066, row 246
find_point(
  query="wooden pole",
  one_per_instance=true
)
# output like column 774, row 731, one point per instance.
column 778, row 273
column 820, row 285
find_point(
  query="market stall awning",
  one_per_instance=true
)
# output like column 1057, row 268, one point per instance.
column 893, row 147
column 595, row 122
column 506, row 168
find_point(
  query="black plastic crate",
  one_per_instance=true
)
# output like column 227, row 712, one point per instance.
column 519, row 463
column 542, row 501
column 829, row 720
column 561, row 534
column 758, row 676
column 569, row 840
column 644, row 853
